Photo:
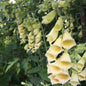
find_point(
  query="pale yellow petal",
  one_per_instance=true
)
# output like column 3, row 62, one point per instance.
column 49, row 17
column 68, row 41
column 53, row 80
column 63, row 77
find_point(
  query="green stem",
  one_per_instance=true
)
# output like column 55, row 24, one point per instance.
column 44, row 39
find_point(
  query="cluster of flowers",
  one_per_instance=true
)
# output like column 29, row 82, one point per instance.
column 79, row 72
column 57, row 66
column 32, row 34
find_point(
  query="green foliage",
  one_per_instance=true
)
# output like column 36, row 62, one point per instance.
column 17, row 65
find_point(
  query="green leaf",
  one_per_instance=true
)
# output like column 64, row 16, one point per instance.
column 34, row 70
column 80, row 48
column 10, row 64
column 44, row 75
column 35, row 80
column 84, row 2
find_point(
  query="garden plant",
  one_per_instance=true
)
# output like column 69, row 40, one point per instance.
column 42, row 43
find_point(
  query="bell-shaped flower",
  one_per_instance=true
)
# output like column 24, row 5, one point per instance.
column 84, row 57
column 20, row 27
column 65, row 61
column 56, row 48
column 21, row 31
column 37, row 45
column 82, row 75
column 38, row 37
column 36, row 25
column 23, row 36
column 54, row 69
column 68, row 41
column 62, row 4
column 30, row 37
column 52, row 35
column 74, row 79
column 63, row 77
column 59, row 24
column 31, row 45
column 49, row 17
column 26, row 46
column 80, row 64
column 53, row 80
column 33, row 50
column 48, row 69
column 50, row 56
column 35, row 31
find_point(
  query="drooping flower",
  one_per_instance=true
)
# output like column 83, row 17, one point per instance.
column 38, row 37
column 59, row 24
column 74, row 79
column 52, row 35
column 82, row 75
column 49, row 17
column 65, row 61
column 68, row 41
column 56, row 48
column 50, row 56
column 80, row 64
column 63, row 77
column 53, row 68
column 53, row 80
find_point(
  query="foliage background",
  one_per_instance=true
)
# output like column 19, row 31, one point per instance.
column 16, row 65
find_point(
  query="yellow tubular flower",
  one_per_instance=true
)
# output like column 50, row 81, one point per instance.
column 20, row 27
column 49, row 17
column 62, row 3
column 38, row 37
column 81, row 64
column 35, row 31
column 37, row 45
column 74, row 79
column 31, row 45
column 31, row 39
column 48, row 69
column 68, row 41
column 54, row 69
column 50, row 56
column 59, row 24
column 33, row 50
column 26, row 46
column 53, row 80
column 52, row 35
column 56, row 48
column 63, row 77
column 82, row 75
column 23, row 36
column 65, row 61
column 84, row 56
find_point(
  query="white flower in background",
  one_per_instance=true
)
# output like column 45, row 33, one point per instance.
column 12, row 1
